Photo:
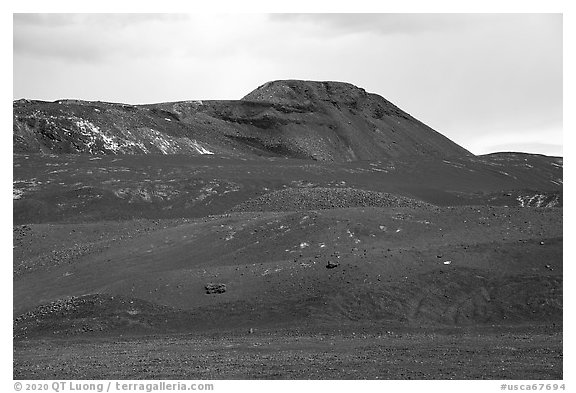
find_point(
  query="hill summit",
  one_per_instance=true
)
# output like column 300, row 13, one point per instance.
column 290, row 92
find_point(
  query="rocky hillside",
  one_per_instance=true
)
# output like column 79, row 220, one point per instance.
column 328, row 121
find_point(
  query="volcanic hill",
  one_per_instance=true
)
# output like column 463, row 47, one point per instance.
column 327, row 121
column 304, row 205
column 77, row 160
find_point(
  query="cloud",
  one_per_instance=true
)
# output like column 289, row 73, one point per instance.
column 44, row 20
column 380, row 23
column 409, row 23
column 93, row 38
column 112, row 20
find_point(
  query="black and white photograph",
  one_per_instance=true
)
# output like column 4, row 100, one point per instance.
column 212, row 196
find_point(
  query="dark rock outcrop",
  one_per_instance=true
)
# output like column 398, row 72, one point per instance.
column 212, row 288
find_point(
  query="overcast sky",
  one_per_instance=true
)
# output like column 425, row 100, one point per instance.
column 490, row 82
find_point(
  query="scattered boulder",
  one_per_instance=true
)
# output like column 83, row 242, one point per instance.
column 215, row 288
column 331, row 265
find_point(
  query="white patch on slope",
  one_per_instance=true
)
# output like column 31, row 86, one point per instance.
column 171, row 145
column 537, row 200
column 16, row 193
column 199, row 148
column 138, row 139
column 93, row 133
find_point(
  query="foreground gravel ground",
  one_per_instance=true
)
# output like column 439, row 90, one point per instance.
column 532, row 353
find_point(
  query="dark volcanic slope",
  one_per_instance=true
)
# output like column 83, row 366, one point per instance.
column 452, row 266
column 357, row 124
column 77, row 187
column 312, row 120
